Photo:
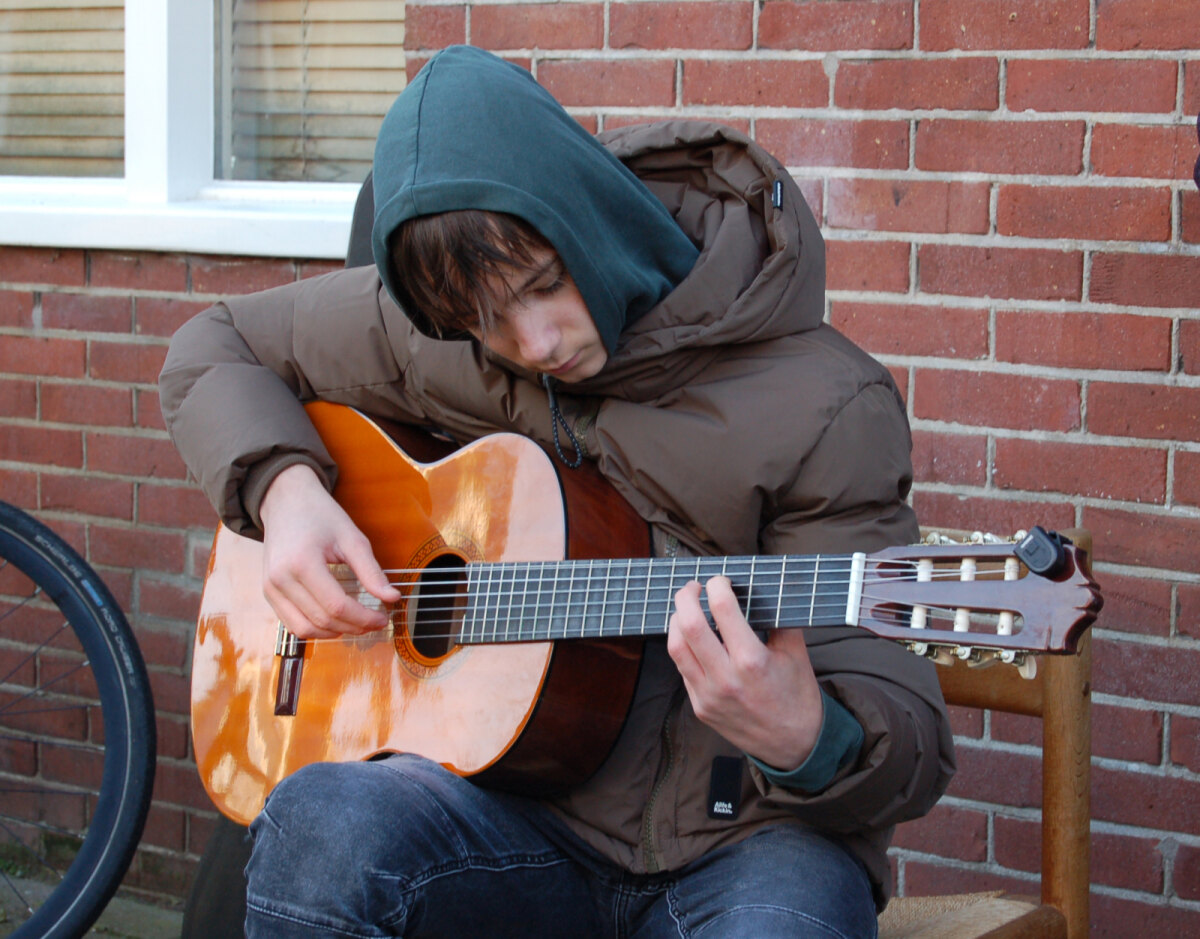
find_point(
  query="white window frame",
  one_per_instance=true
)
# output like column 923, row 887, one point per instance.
column 168, row 199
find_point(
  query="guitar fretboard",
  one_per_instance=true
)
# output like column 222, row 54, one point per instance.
column 541, row 601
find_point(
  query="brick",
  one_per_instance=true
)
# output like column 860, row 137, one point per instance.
column 1001, row 777
column 814, row 194
column 1189, row 346
column 912, row 329
column 1187, row 477
column 949, row 458
column 900, row 377
column 1189, row 212
column 995, row 24
column 1102, row 213
column 1144, row 411
column 28, row 355
column 1004, row 273
column 1128, row 734
column 1133, row 474
column 755, row 83
column 307, row 268
column 42, row 445
column 859, row 144
column 86, row 313
column 1165, row 803
column 1136, row 605
column 179, row 784
column 16, row 309
column 907, row 205
column 18, row 398
column 1185, row 742
column 1144, row 539
column 66, row 268
column 172, row 737
column 136, row 547
column 1146, row 24
column 1186, row 875
column 1149, row 672
column 1001, row 517
column 996, row 400
column 849, row 24
column 168, row 601
column 105, row 498
column 174, row 506
column 172, row 691
column 1124, row 85
column 164, row 647
column 433, row 27
column 948, row 832
column 86, row 404
column 235, row 276
column 1015, row 147
column 1084, row 340
column 1117, row 861
column 126, row 362
column 966, row 722
column 620, row 83
column 164, row 828
column 134, row 455
column 1146, row 151
column 714, row 25
column 923, row 879
column 1191, row 87
column 867, row 265
column 147, row 410
column 538, row 26
column 919, row 84
column 144, row 271
column 156, row 316
column 1139, row 279
column 19, row 487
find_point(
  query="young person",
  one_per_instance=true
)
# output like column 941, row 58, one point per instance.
column 652, row 301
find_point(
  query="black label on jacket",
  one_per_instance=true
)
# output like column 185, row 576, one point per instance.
column 725, row 787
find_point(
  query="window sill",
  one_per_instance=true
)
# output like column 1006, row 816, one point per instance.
column 291, row 220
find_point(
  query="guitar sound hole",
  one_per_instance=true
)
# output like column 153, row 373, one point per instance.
column 435, row 607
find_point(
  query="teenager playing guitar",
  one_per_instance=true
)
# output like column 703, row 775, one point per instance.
column 652, row 301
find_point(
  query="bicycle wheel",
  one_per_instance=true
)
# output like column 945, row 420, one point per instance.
column 77, row 738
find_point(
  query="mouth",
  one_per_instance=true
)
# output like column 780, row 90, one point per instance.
column 566, row 366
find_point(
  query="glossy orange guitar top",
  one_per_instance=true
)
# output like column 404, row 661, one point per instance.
column 361, row 697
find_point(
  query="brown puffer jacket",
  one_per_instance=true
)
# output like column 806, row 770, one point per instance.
column 731, row 418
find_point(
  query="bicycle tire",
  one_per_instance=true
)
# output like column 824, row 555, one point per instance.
column 67, row 655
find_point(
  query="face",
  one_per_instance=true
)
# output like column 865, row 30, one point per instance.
column 546, row 327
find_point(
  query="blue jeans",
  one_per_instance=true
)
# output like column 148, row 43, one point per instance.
column 401, row 847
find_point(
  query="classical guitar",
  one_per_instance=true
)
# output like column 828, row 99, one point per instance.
column 501, row 559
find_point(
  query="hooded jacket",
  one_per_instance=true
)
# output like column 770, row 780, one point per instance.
column 728, row 414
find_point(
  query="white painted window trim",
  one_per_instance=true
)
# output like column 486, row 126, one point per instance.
column 168, row 199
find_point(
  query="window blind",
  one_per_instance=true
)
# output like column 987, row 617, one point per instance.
column 304, row 85
column 62, row 78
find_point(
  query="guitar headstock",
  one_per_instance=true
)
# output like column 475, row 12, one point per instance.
column 984, row 599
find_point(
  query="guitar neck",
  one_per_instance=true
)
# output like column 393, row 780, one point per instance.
column 539, row 601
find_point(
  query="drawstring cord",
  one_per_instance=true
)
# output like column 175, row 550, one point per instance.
column 556, row 418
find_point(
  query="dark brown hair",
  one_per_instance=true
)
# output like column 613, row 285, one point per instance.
column 447, row 266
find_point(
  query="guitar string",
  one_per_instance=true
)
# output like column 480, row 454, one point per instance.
column 888, row 618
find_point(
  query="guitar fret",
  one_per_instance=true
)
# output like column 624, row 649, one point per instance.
column 812, row 597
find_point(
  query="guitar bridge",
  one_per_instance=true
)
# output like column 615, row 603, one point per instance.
column 289, row 649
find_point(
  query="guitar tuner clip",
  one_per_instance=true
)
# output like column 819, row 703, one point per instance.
column 1042, row 551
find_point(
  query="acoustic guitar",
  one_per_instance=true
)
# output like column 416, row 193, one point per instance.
column 527, row 593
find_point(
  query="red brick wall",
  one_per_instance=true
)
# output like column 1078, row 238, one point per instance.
column 1005, row 189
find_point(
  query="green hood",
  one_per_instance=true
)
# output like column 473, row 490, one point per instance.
column 475, row 132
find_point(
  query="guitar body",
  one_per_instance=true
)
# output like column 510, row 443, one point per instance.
column 531, row 716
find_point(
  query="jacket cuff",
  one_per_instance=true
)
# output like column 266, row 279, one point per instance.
column 838, row 744
column 259, row 477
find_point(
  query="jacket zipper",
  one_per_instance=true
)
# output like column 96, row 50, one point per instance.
column 652, row 862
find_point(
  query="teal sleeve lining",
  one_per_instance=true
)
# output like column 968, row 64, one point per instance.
column 839, row 743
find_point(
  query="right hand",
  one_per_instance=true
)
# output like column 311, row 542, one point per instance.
column 305, row 530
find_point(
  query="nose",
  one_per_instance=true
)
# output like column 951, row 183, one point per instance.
column 536, row 337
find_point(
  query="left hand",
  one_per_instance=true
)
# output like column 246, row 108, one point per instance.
column 762, row 698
